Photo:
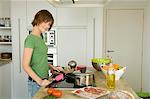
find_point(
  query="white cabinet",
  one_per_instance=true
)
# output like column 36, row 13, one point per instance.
column 72, row 45
column 71, row 17
column 79, row 34
column 5, row 81
column 33, row 6
column 19, row 32
column 5, row 39
column 72, row 35
column 5, row 35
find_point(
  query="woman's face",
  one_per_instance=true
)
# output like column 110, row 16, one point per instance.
column 44, row 26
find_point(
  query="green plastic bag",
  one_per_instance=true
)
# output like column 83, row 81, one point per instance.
column 144, row 95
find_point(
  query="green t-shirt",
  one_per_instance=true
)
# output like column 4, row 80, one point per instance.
column 39, row 61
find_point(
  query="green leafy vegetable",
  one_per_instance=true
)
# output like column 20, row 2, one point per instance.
column 101, row 60
column 49, row 97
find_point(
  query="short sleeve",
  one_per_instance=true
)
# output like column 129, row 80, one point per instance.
column 29, row 42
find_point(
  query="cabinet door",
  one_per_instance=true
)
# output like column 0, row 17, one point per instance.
column 71, row 45
column 19, row 32
column 33, row 6
column 72, row 17
column 5, row 81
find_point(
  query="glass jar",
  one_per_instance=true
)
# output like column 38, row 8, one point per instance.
column 7, row 22
column 2, row 22
column 110, row 78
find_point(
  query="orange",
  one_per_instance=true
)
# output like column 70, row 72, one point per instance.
column 116, row 66
column 105, row 67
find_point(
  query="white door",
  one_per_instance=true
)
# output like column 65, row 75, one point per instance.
column 124, row 30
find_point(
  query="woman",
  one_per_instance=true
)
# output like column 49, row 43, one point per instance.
column 35, row 61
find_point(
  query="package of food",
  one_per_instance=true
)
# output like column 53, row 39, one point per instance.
column 91, row 92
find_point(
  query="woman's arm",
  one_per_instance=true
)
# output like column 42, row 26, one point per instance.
column 54, row 67
column 26, row 65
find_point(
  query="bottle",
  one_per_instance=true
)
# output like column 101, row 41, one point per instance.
column 7, row 22
column 2, row 22
column 110, row 78
column 1, row 39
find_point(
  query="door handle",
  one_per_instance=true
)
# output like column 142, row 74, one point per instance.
column 19, row 45
column 108, row 51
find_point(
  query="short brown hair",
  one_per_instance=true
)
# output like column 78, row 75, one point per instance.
column 42, row 16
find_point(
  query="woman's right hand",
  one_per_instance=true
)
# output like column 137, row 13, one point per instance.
column 44, row 82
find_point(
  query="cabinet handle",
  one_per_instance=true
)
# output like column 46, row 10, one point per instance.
column 19, row 46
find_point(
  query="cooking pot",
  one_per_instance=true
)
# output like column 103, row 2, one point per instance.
column 6, row 55
column 70, row 78
column 84, row 79
column 72, row 64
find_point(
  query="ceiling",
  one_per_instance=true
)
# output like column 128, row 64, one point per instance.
column 88, row 3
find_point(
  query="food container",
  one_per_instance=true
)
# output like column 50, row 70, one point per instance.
column 118, row 73
column 84, row 79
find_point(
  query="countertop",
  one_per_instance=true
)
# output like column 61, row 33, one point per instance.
column 100, row 82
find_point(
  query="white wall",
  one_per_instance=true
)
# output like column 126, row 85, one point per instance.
column 4, row 8
column 146, row 51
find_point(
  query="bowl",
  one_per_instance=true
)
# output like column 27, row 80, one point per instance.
column 97, row 62
column 118, row 73
column 96, row 66
column 6, row 55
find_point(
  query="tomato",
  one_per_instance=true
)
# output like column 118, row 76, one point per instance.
column 50, row 90
column 57, row 93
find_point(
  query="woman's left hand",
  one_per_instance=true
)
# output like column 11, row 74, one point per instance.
column 69, row 70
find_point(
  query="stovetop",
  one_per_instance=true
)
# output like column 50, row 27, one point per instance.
column 63, row 84
column 68, row 84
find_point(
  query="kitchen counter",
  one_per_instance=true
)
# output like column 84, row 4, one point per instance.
column 100, row 82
